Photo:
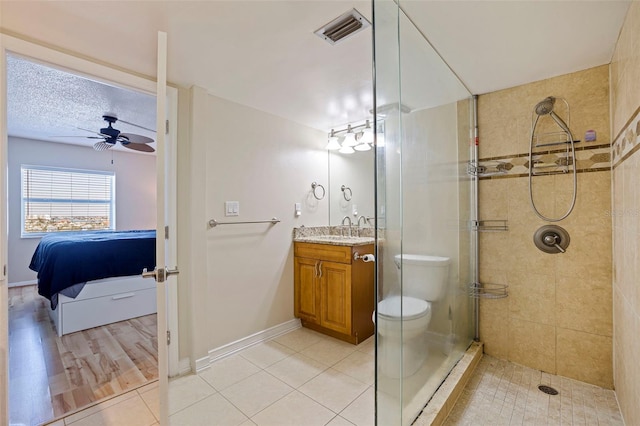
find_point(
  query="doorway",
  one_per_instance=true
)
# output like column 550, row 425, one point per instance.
column 108, row 81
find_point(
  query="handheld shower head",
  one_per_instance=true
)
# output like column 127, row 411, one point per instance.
column 545, row 106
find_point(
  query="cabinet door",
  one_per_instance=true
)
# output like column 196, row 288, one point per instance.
column 306, row 290
column 335, row 299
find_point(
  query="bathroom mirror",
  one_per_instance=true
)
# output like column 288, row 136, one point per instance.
column 355, row 172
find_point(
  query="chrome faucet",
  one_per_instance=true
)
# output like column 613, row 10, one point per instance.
column 364, row 219
column 348, row 219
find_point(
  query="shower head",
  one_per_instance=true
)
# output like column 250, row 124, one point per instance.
column 545, row 106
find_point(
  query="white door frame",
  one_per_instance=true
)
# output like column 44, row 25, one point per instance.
column 98, row 72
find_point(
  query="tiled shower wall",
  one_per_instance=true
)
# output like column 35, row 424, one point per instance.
column 558, row 315
column 625, row 108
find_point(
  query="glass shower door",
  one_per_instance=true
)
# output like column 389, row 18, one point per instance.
column 423, row 316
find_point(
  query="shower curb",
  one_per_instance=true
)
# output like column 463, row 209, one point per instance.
column 445, row 398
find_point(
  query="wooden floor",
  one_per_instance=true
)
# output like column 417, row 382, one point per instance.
column 50, row 375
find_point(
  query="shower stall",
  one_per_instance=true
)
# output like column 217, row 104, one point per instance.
column 425, row 201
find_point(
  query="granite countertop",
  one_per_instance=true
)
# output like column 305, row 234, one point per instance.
column 333, row 235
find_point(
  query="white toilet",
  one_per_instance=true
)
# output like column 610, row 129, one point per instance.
column 403, row 334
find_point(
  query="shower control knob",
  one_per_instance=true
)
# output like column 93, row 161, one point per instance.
column 551, row 239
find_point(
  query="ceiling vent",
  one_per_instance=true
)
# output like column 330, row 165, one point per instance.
column 343, row 26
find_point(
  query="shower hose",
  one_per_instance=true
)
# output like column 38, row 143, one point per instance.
column 575, row 179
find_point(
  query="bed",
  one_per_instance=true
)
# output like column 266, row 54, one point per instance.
column 94, row 278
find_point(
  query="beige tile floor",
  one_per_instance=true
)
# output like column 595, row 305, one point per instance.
column 503, row 393
column 134, row 408
column 305, row 378
column 300, row 378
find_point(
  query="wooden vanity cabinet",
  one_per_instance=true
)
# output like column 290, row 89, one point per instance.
column 333, row 293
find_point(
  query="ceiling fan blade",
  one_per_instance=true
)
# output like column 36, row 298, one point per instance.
column 90, row 131
column 76, row 136
column 137, row 125
column 102, row 146
column 139, row 147
column 134, row 138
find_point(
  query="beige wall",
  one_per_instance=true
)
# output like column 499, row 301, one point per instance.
column 625, row 106
column 241, row 278
column 557, row 317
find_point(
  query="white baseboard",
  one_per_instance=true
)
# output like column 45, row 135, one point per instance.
column 22, row 283
column 245, row 342
column 184, row 366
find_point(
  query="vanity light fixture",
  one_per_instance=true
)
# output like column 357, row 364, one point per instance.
column 349, row 138
column 346, row 150
column 333, row 143
column 362, row 147
column 354, row 138
column 367, row 134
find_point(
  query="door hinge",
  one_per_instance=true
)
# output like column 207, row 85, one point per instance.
column 168, row 337
column 4, row 270
column 166, row 232
column 166, row 127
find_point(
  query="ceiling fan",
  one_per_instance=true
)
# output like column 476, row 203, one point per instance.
column 110, row 136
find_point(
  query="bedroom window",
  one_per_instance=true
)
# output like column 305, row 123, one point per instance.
column 58, row 200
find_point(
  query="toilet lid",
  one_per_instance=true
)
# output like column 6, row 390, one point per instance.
column 411, row 307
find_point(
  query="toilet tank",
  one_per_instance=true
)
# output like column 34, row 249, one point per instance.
column 423, row 277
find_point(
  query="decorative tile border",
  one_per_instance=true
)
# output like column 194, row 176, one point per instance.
column 588, row 159
column 627, row 142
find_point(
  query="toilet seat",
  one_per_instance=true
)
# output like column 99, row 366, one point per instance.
column 412, row 308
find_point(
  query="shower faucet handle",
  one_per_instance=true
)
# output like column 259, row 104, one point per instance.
column 552, row 240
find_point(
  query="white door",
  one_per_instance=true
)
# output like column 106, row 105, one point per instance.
column 166, row 268
column 4, row 317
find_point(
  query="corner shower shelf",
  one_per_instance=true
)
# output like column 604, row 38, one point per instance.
column 488, row 290
column 495, row 225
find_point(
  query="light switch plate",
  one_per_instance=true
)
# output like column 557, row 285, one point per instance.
column 232, row 208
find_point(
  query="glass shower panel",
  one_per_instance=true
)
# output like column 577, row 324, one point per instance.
column 424, row 259
column 388, row 116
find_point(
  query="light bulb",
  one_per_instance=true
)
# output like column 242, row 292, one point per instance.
column 349, row 139
column 362, row 147
column 346, row 150
column 333, row 143
column 367, row 134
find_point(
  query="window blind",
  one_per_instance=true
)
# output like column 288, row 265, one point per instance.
column 55, row 199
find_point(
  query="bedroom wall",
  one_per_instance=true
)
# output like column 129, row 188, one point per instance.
column 242, row 275
column 135, row 191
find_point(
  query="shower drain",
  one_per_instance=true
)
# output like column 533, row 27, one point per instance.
column 548, row 390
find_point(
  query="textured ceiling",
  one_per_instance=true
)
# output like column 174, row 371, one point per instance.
column 50, row 104
column 264, row 54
